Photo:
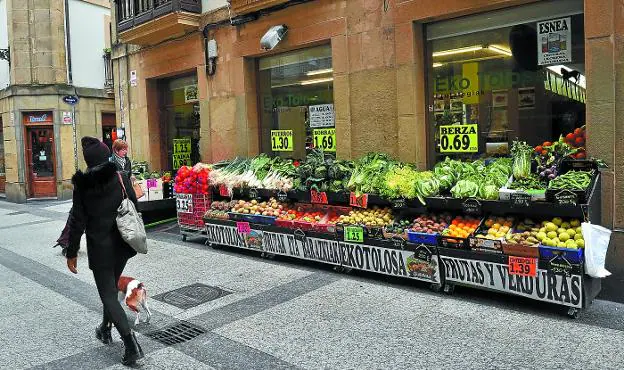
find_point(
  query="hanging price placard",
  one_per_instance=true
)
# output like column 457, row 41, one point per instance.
column 459, row 139
column 184, row 203
column 243, row 227
column 282, row 140
column 358, row 201
column 325, row 139
column 319, row 197
column 223, row 191
column 181, row 152
column 354, row 234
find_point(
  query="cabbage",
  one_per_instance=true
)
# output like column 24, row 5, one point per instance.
column 465, row 189
column 488, row 191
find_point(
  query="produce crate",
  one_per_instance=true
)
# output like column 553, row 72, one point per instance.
column 504, row 193
column 389, row 235
column 582, row 196
column 289, row 224
column 454, row 242
column 422, row 238
column 253, row 219
column 520, row 250
column 483, row 244
column 571, row 255
column 195, row 218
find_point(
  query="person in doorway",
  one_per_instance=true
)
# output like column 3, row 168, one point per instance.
column 120, row 157
column 97, row 193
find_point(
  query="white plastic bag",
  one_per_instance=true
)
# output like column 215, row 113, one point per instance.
column 596, row 245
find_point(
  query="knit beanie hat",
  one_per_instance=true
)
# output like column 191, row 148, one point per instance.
column 94, row 151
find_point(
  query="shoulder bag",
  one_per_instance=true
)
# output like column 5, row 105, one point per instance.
column 130, row 223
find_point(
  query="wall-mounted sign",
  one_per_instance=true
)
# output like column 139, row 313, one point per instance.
column 554, row 41
column 70, row 99
column 322, row 115
column 133, row 78
column 181, row 152
column 325, row 139
column 67, row 118
column 459, row 139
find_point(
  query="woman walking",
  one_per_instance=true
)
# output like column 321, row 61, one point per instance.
column 120, row 157
column 97, row 194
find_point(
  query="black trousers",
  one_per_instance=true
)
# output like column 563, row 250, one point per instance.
column 106, row 283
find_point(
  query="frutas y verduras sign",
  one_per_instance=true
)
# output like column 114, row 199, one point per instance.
column 419, row 265
column 544, row 286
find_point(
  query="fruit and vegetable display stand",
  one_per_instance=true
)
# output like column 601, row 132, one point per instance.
column 460, row 224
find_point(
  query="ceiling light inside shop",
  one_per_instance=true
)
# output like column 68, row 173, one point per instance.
column 457, row 51
column 436, row 65
column 320, row 72
column 500, row 50
column 317, row 81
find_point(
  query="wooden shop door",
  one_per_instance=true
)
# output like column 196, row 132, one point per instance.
column 40, row 161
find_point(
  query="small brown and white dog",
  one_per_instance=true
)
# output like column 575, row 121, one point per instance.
column 133, row 293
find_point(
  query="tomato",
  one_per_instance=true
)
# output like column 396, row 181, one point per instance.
column 570, row 136
column 579, row 141
column 544, row 152
column 580, row 155
column 538, row 149
column 547, row 143
column 578, row 131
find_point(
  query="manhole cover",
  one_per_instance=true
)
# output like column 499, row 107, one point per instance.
column 177, row 333
column 191, row 295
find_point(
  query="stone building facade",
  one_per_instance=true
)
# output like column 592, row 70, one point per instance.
column 37, row 125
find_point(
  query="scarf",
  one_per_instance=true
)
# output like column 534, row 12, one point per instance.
column 120, row 161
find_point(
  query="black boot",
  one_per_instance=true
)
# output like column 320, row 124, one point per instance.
column 132, row 350
column 103, row 333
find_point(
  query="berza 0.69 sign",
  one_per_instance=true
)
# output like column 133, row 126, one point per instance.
column 544, row 286
column 459, row 139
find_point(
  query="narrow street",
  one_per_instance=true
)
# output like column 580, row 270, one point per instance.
column 270, row 314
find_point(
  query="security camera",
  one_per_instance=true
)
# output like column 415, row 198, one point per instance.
column 273, row 36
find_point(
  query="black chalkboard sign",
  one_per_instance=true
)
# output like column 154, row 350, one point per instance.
column 566, row 197
column 398, row 203
column 471, row 206
column 253, row 193
column 282, row 196
column 520, row 200
column 398, row 242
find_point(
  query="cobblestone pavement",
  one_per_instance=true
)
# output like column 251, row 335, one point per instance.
column 275, row 314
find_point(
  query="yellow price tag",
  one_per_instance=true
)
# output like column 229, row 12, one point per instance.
column 459, row 139
column 282, row 140
column 325, row 139
column 354, row 234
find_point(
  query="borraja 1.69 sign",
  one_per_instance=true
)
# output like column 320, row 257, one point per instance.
column 459, row 139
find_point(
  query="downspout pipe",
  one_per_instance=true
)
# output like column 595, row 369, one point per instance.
column 68, row 44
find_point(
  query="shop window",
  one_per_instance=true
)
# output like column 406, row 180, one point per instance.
column 514, row 74
column 296, row 102
column 180, row 130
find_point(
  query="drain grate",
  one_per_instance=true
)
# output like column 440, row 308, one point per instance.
column 177, row 333
column 191, row 295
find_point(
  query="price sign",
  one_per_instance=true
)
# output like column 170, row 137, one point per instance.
column 522, row 266
column 459, row 139
column 223, row 191
column 398, row 203
column 566, row 197
column 253, row 193
column 353, row 234
column 520, row 200
column 471, row 206
column 152, row 183
column 184, row 203
column 282, row 196
column 358, row 201
column 319, row 197
column 325, row 139
column 282, row 140
column 243, row 227
column 181, row 152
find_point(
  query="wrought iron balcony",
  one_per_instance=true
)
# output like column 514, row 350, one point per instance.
column 139, row 21
column 108, row 72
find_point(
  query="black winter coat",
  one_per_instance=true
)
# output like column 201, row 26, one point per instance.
column 97, row 194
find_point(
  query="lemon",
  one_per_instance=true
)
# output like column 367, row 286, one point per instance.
column 571, row 232
column 546, row 241
column 564, row 237
column 555, row 241
column 578, row 237
column 580, row 243
column 551, row 227
column 551, row 234
column 561, row 245
column 541, row 236
column 575, row 223
column 565, row 225
column 542, row 230
column 557, row 221
column 561, row 230
column 579, row 230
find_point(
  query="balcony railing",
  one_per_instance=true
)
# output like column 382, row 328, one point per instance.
column 131, row 13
